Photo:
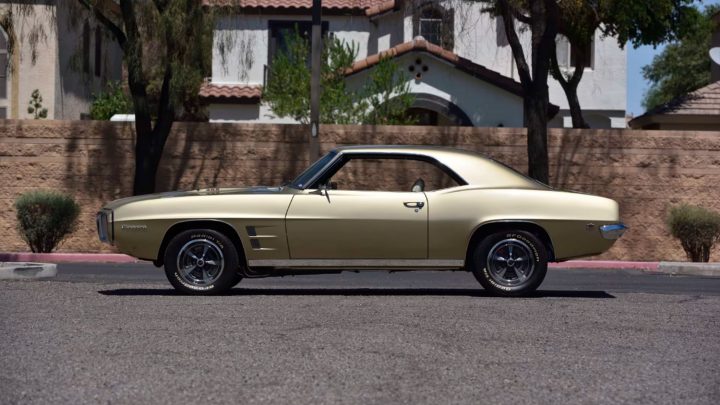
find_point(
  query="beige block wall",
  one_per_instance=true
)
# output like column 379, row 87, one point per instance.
column 645, row 171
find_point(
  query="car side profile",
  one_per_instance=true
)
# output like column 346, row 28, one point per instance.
column 367, row 208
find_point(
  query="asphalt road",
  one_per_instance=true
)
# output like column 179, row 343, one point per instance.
column 119, row 334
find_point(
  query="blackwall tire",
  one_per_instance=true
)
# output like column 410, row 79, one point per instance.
column 510, row 263
column 202, row 262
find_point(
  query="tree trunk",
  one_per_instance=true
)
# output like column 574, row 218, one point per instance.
column 578, row 121
column 535, row 109
column 149, row 138
column 148, row 152
column 570, row 86
column 543, row 21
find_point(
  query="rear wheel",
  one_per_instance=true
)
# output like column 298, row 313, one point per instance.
column 202, row 262
column 511, row 262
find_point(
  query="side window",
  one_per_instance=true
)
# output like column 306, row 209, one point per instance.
column 282, row 31
column 391, row 174
column 569, row 56
column 436, row 24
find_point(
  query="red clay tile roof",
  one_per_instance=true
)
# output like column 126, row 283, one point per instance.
column 230, row 92
column 701, row 102
column 369, row 7
column 421, row 45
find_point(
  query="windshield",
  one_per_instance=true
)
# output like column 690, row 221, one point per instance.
column 310, row 172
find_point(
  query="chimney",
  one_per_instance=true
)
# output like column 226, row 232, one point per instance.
column 715, row 72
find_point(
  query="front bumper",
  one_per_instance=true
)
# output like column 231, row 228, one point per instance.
column 613, row 231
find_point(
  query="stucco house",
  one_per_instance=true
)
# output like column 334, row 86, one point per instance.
column 698, row 110
column 56, row 48
column 458, row 62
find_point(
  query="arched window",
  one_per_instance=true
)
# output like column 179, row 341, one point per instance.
column 86, row 48
column 435, row 24
column 98, row 51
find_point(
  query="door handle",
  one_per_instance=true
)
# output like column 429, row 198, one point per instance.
column 414, row 204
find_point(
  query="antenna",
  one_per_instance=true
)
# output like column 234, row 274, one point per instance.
column 715, row 55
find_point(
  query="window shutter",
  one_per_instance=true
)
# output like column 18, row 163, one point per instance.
column 98, row 51
column 86, row 48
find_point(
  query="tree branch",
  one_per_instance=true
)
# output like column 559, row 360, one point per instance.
column 518, row 15
column 106, row 21
column 515, row 45
column 136, row 77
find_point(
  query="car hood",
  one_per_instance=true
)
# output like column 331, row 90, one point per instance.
column 201, row 192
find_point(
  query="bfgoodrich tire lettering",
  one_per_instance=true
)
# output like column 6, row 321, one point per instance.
column 202, row 262
column 510, row 262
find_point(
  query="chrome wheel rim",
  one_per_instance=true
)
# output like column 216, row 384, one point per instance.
column 200, row 262
column 510, row 262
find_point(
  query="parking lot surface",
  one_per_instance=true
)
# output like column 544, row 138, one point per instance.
column 315, row 341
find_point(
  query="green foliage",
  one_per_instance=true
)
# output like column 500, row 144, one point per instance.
column 683, row 66
column 110, row 102
column 643, row 22
column 35, row 106
column 45, row 218
column 388, row 95
column 288, row 88
column 697, row 228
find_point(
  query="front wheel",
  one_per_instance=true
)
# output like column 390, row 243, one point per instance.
column 510, row 263
column 202, row 262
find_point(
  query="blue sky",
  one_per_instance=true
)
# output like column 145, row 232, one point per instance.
column 637, row 58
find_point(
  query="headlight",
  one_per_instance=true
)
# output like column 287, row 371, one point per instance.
column 104, row 222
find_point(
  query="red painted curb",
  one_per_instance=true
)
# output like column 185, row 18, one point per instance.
column 120, row 258
column 605, row 264
column 67, row 257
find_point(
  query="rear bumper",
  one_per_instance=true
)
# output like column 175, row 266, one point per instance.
column 613, row 231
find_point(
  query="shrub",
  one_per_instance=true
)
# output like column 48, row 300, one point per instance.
column 110, row 102
column 697, row 228
column 35, row 105
column 45, row 218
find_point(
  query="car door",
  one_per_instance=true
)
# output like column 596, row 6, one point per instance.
column 357, row 224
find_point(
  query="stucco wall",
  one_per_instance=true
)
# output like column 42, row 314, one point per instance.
column 55, row 66
column 645, row 171
column 241, row 52
column 240, row 48
column 485, row 104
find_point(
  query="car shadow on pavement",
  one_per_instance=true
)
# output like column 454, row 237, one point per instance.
column 441, row 292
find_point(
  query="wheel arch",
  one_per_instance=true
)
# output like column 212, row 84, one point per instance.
column 489, row 228
column 216, row 225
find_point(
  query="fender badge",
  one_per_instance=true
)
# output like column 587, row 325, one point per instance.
column 134, row 227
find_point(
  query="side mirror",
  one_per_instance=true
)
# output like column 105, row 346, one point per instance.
column 332, row 185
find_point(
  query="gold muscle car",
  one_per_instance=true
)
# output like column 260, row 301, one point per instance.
column 367, row 208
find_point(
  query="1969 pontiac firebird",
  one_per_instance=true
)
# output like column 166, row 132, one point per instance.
column 367, row 208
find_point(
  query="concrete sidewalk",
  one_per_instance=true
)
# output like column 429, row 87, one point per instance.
column 27, row 271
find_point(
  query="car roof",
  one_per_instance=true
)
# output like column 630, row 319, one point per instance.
column 474, row 168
